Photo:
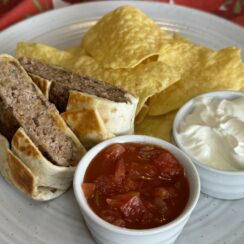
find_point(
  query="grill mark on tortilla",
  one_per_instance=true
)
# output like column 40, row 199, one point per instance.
column 21, row 105
column 64, row 80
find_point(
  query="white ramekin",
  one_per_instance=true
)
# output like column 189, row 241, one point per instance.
column 217, row 183
column 104, row 232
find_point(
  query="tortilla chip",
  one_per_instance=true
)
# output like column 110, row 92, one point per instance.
column 49, row 54
column 124, row 38
column 179, row 38
column 84, row 65
column 67, row 59
column 182, row 55
column 220, row 70
column 142, row 114
column 158, row 126
column 143, row 81
column 76, row 51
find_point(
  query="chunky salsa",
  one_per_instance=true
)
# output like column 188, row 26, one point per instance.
column 137, row 186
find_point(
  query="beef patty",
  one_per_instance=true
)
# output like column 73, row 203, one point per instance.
column 22, row 105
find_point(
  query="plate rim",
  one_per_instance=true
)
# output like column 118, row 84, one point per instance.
column 98, row 5
column 61, row 11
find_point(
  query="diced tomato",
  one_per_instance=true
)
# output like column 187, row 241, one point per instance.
column 119, row 222
column 148, row 152
column 97, row 198
column 146, row 188
column 133, row 209
column 110, row 212
column 107, row 185
column 88, row 189
column 131, row 184
column 131, row 149
column 144, row 171
column 154, row 215
column 162, row 192
column 113, row 217
column 161, row 204
column 173, row 192
column 114, row 151
column 119, row 171
column 118, row 200
column 113, row 203
column 147, row 218
column 174, row 195
column 168, row 165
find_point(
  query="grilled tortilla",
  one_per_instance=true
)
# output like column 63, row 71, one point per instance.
column 38, row 151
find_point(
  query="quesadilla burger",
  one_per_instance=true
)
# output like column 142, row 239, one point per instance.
column 93, row 109
column 38, row 151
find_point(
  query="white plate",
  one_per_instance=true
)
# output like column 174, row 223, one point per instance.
column 59, row 221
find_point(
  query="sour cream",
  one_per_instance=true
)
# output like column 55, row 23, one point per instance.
column 213, row 133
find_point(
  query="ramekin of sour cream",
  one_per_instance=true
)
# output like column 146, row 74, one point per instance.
column 210, row 129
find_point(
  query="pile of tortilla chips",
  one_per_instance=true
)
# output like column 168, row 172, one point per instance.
column 128, row 49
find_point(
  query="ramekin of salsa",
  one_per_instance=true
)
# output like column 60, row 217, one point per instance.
column 136, row 189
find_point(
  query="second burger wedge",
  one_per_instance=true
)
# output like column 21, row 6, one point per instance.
column 95, row 110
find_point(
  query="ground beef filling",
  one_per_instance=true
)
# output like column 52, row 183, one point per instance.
column 71, row 81
column 20, row 105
